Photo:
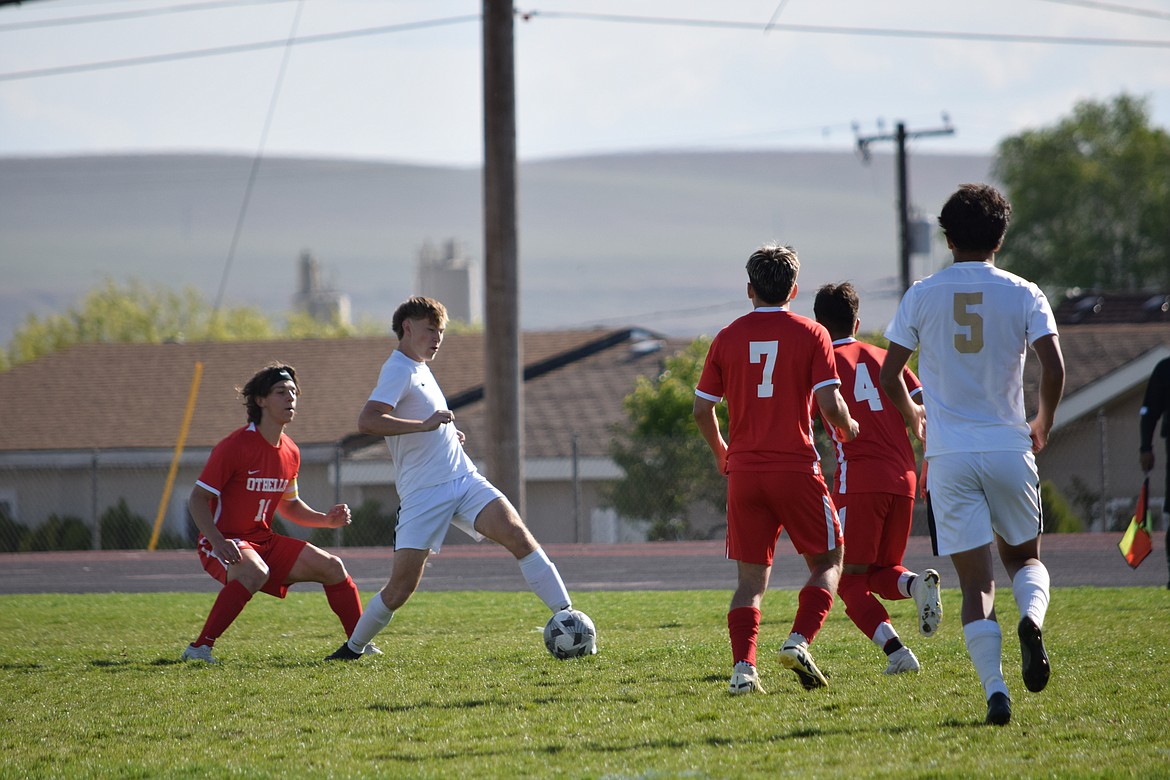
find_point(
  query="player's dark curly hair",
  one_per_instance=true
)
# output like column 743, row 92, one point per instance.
column 772, row 271
column 976, row 218
column 419, row 308
column 262, row 383
column 836, row 308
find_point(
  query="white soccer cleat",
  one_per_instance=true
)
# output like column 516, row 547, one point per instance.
column 200, row 653
column 925, row 592
column 371, row 649
column 744, row 679
column 902, row 661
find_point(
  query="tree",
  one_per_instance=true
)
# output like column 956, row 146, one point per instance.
column 1090, row 199
column 669, row 469
column 139, row 313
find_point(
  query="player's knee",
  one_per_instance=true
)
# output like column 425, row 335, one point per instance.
column 252, row 575
column 333, row 570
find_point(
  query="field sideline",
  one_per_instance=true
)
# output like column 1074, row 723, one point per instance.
column 1072, row 559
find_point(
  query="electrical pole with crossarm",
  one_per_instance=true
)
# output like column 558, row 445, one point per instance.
column 899, row 137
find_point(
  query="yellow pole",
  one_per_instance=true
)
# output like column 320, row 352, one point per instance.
column 187, row 415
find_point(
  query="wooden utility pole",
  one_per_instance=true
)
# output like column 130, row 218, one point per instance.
column 899, row 137
column 503, row 385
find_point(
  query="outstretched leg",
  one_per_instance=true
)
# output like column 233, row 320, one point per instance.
column 501, row 523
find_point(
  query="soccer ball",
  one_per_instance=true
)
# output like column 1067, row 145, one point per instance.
column 569, row 634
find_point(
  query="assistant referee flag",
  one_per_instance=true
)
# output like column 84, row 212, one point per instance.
column 1135, row 544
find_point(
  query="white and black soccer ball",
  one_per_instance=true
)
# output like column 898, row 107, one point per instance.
column 570, row 634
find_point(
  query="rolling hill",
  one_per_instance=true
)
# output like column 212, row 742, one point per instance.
column 652, row 239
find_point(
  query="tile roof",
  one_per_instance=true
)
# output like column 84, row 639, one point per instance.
column 127, row 396
column 1095, row 351
column 114, row 396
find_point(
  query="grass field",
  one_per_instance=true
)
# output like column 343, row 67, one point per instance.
column 92, row 687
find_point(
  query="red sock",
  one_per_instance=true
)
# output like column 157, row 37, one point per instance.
column 884, row 582
column 813, row 607
column 227, row 607
column 743, row 624
column 866, row 612
column 344, row 600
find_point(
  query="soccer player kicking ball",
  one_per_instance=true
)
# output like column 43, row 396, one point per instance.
column 249, row 477
column 873, row 488
column 972, row 324
column 768, row 364
column 437, row 483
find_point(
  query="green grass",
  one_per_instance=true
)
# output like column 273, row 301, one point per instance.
column 91, row 688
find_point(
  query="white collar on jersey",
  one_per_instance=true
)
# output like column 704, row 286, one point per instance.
column 846, row 340
column 770, row 308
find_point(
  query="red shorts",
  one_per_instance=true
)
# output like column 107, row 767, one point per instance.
column 877, row 526
column 280, row 553
column 761, row 503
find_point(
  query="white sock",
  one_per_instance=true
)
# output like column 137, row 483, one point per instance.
column 1030, row 587
column 375, row 617
column 542, row 576
column 904, row 580
column 985, row 646
column 883, row 634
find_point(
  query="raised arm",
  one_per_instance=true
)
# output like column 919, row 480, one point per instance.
column 377, row 419
column 303, row 514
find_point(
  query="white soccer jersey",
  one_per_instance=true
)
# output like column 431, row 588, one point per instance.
column 422, row 459
column 972, row 323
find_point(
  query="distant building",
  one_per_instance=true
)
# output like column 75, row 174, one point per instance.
column 446, row 273
column 319, row 300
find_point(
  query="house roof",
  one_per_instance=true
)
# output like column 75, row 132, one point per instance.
column 126, row 396
column 133, row 396
column 1097, row 358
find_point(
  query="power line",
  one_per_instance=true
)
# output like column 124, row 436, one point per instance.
column 1114, row 8
column 582, row 16
column 259, row 156
column 118, row 16
column 879, row 32
column 219, row 51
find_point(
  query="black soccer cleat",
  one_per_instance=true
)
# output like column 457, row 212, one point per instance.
column 343, row 653
column 1035, row 659
column 999, row 710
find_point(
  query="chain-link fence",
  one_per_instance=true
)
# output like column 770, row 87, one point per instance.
column 665, row 489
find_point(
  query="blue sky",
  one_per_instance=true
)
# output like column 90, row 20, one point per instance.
column 375, row 79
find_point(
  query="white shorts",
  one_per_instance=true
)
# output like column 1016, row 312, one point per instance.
column 974, row 495
column 426, row 513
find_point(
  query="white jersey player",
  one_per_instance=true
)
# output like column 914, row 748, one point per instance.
column 972, row 324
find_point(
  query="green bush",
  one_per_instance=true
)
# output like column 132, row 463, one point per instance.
column 124, row 530
column 58, row 533
column 1059, row 516
column 12, row 533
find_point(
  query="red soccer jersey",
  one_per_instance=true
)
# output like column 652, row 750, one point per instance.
column 249, row 477
column 767, row 364
column 880, row 459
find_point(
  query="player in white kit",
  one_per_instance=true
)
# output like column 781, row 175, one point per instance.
column 972, row 324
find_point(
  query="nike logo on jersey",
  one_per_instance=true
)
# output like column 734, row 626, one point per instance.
column 253, row 471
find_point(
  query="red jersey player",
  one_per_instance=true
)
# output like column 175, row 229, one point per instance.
column 873, row 488
column 768, row 364
column 249, row 476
